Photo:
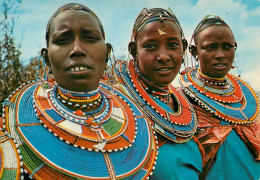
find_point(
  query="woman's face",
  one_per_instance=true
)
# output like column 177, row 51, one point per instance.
column 216, row 50
column 159, row 56
column 77, row 51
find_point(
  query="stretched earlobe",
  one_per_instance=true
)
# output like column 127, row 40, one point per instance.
column 44, row 54
column 193, row 51
column 184, row 44
column 109, row 49
column 235, row 45
column 132, row 49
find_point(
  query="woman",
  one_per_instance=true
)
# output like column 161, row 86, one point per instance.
column 158, row 47
column 72, row 126
column 226, row 107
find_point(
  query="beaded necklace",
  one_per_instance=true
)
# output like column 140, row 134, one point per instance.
column 57, row 143
column 86, row 100
column 218, row 83
column 230, row 98
column 153, row 89
column 177, row 126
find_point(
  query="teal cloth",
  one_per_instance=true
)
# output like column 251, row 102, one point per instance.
column 234, row 161
column 177, row 161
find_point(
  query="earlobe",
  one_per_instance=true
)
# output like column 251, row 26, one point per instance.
column 235, row 45
column 184, row 44
column 193, row 51
column 44, row 54
column 132, row 49
column 109, row 49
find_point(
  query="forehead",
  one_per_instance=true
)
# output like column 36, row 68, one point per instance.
column 151, row 30
column 215, row 33
column 73, row 18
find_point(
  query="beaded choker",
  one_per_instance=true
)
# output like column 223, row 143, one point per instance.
column 236, row 103
column 86, row 100
column 220, row 83
column 153, row 89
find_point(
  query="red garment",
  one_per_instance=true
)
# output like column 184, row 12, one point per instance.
column 211, row 134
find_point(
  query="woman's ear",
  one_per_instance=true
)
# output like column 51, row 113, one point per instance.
column 235, row 45
column 132, row 49
column 44, row 53
column 109, row 49
column 193, row 51
column 184, row 44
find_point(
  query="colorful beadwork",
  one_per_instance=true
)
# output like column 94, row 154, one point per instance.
column 57, row 143
column 236, row 103
column 9, row 158
column 177, row 126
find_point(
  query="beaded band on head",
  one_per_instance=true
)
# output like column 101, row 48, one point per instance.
column 76, row 7
column 207, row 21
column 147, row 16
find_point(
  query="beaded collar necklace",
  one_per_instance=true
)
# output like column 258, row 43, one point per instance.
column 236, row 103
column 52, row 135
column 177, row 126
column 219, row 83
column 226, row 89
column 83, row 100
column 153, row 89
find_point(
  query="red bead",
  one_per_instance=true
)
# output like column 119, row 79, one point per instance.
column 183, row 72
column 78, row 112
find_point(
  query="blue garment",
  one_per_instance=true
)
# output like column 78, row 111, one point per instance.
column 178, row 161
column 234, row 161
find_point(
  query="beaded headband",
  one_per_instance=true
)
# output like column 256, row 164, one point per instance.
column 207, row 21
column 76, row 7
column 147, row 16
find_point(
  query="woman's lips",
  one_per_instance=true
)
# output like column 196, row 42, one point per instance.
column 221, row 66
column 79, row 70
column 164, row 70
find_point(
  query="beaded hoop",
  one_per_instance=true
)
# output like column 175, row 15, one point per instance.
column 240, row 111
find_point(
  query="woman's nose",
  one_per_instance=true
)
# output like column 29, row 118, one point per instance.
column 163, row 56
column 220, row 53
column 77, row 50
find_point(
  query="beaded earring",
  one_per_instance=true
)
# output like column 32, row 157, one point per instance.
column 110, row 67
column 42, row 70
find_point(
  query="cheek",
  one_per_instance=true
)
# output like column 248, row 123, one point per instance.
column 145, row 62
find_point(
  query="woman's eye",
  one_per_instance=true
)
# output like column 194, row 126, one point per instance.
column 62, row 40
column 228, row 46
column 211, row 47
column 90, row 38
column 173, row 45
column 150, row 46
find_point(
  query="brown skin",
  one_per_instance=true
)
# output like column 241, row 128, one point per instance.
column 75, row 40
column 215, row 48
column 159, row 56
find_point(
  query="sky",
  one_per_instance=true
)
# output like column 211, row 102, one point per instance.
column 118, row 17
